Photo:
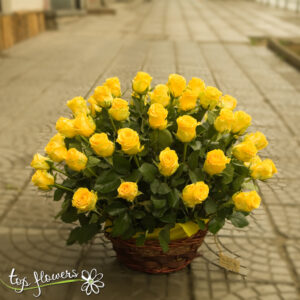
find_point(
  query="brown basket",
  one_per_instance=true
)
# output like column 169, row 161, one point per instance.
column 150, row 258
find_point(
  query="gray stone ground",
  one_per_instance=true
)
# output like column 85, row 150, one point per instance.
column 209, row 39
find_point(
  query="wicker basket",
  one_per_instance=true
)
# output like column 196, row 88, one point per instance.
column 150, row 258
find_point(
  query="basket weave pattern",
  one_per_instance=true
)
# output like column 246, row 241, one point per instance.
column 150, row 258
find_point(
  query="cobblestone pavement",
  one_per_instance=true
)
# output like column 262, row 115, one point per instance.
column 209, row 39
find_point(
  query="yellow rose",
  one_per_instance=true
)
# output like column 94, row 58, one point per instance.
column 176, row 84
column 84, row 125
column 129, row 141
column 128, row 191
column 42, row 179
column 263, row 170
column 141, row 82
column 102, row 145
column 103, row 96
column 197, row 86
column 56, row 148
column 228, row 101
column 246, row 201
column 66, row 127
column 84, row 200
column 78, row 106
column 188, row 100
column 114, row 85
column 224, row 121
column 160, row 95
column 258, row 139
column 168, row 162
column 210, row 97
column 39, row 162
column 94, row 107
column 195, row 193
column 253, row 161
column 186, row 128
column 241, row 122
column 119, row 109
column 76, row 160
column 215, row 162
column 244, row 151
column 157, row 116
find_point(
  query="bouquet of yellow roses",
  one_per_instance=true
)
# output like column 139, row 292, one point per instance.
column 174, row 154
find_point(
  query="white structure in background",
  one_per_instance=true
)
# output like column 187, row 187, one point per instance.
column 9, row 6
column 286, row 4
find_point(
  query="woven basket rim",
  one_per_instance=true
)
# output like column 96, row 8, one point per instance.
column 153, row 243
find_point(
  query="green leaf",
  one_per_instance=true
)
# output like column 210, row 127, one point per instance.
column 173, row 198
column 238, row 219
column 201, row 224
column 169, row 217
column 58, row 194
column 227, row 174
column 70, row 215
column 94, row 218
column 195, row 145
column 138, row 214
column 210, row 206
column 164, row 138
column 74, row 235
column 148, row 171
column 164, row 238
column 193, row 160
column 121, row 164
column 116, row 208
column 108, row 187
column 140, row 240
column 87, row 232
column 92, row 161
column 106, row 176
column 134, row 176
column 196, row 175
column 163, row 189
column 121, row 225
column 154, row 186
column 158, row 203
column 216, row 224
column 211, row 116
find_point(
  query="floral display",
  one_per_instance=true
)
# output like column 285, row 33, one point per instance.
column 174, row 153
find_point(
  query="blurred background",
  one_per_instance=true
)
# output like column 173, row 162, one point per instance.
column 54, row 50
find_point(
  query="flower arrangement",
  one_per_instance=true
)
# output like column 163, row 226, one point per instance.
column 176, row 155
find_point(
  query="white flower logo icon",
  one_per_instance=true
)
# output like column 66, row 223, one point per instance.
column 93, row 282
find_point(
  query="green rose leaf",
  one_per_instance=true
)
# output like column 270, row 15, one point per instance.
column 148, row 171
column 70, row 215
column 121, row 164
column 74, row 235
column 238, row 219
column 108, row 187
column 193, row 160
column 164, row 138
column 116, row 208
column 164, row 238
column 158, row 203
column 140, row 240
column 210, row 206
column 201, row 224
column 92, row 161
column 216, row 224
column 227, row 174
column 121, row 225
column 58, row 194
